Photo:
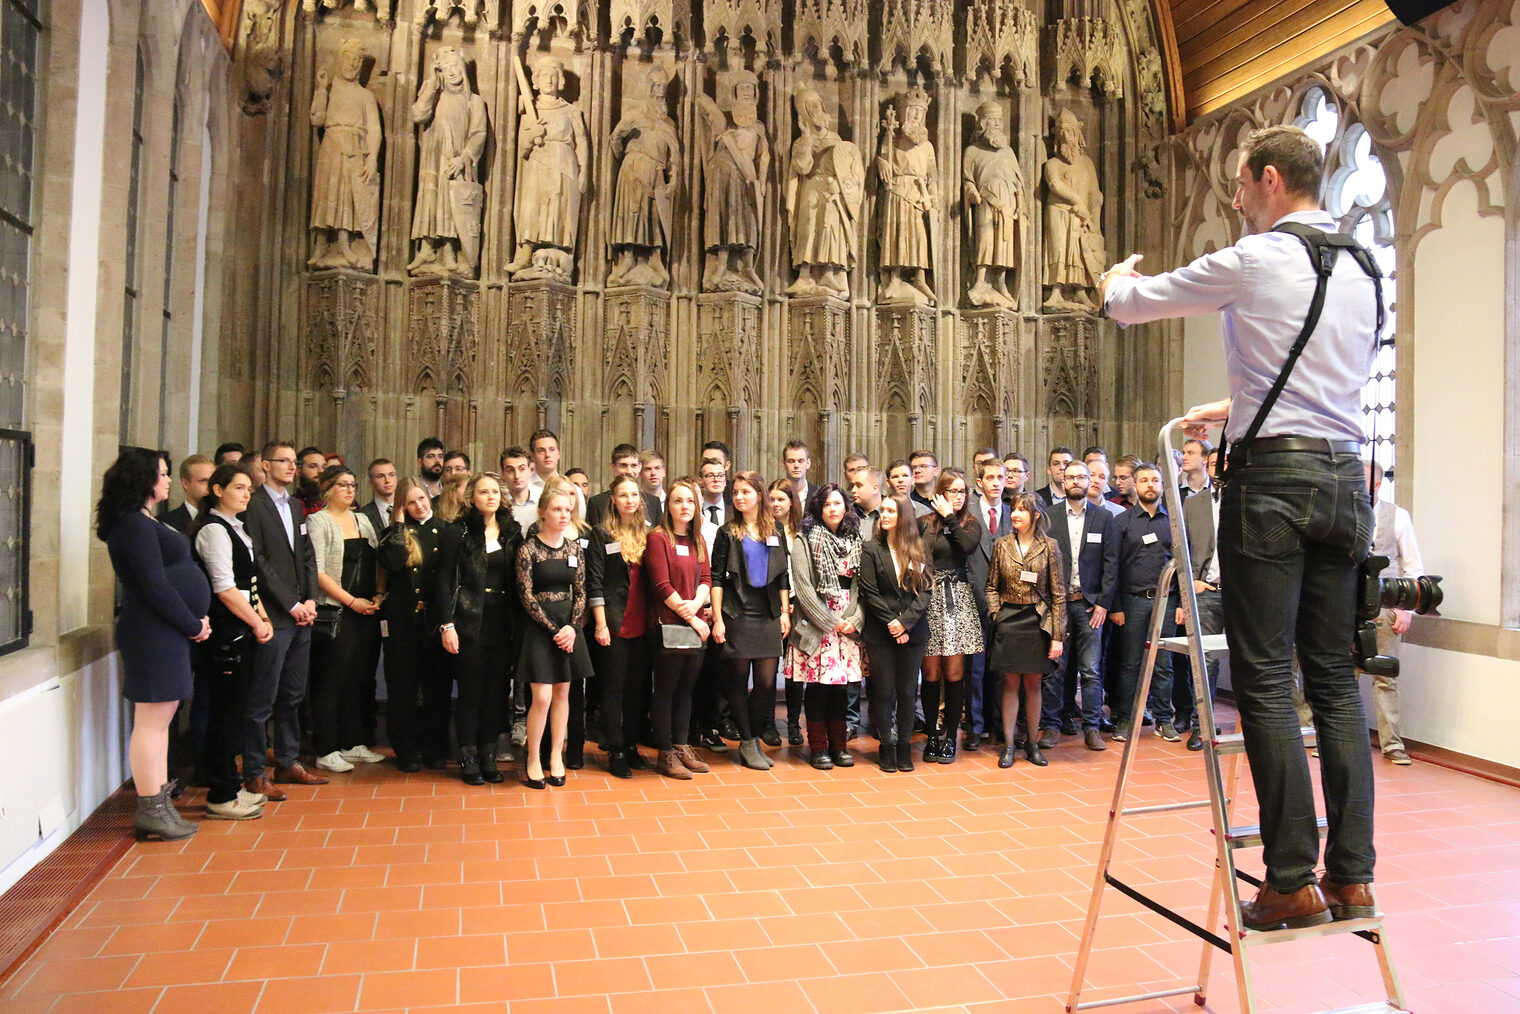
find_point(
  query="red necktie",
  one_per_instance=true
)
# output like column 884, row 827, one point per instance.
column 992, row 520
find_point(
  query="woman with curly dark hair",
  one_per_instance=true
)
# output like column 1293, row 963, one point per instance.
column 825, row 643
column 951, row 532
column 165, row 598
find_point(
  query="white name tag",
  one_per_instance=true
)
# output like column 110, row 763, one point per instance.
column 1149, row 538
column 385, row 628
column 584, row 542
column 773, row 541
column 683, row 550
column 613, row 548
column 303, row 528
column 1028, row 576
column 1096, row 536
column 570, row 561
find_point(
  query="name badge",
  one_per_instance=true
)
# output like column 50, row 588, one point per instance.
column 1028, row 576
column 1149, row 538
column 613, row 548
column 584, row 542
column 1098, row 536
column 773, row 541
column 683, row 550
column 570, row 561
column 385, row 628
column 303, row 528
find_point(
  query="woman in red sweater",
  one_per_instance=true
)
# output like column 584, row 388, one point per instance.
column 679, row 581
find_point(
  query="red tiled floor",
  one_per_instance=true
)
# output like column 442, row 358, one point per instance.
column 955, row 889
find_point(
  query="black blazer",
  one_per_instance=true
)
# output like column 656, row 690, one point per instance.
column 884, row 600
column 598, row 506
column 178, row 519
column 287, row 573
column 980, row 562
column 608, row 578
column 459, row 586
column 1098, row 561
column 730, row 573
column 409, row 587
column 379, row 520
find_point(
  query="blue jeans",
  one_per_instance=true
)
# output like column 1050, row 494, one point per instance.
column 278, row 686
column 1131, row 641
column 1293, row 527
column 1083, row 647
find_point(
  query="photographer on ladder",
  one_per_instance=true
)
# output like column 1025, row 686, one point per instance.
column 1301, row 325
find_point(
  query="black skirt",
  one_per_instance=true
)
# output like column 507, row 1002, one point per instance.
column 752, row 634
column 540, row 660
column 1019, row 645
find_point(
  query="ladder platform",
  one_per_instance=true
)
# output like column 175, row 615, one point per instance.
column 1213, row 645
column 1371, row 927
column 1235, row 742
column 1248, row 836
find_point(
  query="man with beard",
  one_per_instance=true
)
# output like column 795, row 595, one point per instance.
column 823, row 193
column 309, row 465
column 993, row 189
column 909, row 195
column 1074, row 254
column 445, row 227
column 430, row 465
column 1144, row 533
column 734, row 189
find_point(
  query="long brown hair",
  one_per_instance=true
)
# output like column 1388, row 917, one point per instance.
column 1039, row 525
column 765, row 525
column 793, row 521
column 630, row 535
column 934, row 524
column 451, row 496
column 915, row 572
column 694, row 526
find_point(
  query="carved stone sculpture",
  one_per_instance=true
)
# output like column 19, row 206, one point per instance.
column 992, row 185
column 446, row 223
column 909, row 200
column 823, row 194
column 260, row 54
column 556, row 158
column 734, row 171
column 382, row 8
column 345, row 189
column 1074, row 254
column 642, row 202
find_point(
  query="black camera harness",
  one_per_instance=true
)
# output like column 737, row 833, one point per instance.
column 1324, row 250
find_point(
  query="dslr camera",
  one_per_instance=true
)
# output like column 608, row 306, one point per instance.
column 1373, row 595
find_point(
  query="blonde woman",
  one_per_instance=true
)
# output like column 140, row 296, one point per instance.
column 616, row 593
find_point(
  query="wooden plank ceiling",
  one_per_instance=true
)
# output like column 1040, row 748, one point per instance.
column 1229, row 48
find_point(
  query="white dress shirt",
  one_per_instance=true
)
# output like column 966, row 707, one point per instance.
column 1075, row 520
column 281, row 498
column 214, row 547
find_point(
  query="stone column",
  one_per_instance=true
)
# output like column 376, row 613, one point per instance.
column 820, row 349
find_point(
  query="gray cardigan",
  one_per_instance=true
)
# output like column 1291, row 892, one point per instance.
column 812, row 619
column 327, row 545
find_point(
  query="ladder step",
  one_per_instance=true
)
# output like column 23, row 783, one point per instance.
column 1248, row 836
column 1380, row 1007
column 1213, row 645
column 1235, row 742
column 1361, row 926
column 1191, row 804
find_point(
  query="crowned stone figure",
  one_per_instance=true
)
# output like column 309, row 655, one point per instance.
column 639, row 232
column 734, row 170
column 909, row 199
column 1074, row 254
column 992, row 186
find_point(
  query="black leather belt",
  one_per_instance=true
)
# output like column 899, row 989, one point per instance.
column 1149, row 593
column 1301, row 445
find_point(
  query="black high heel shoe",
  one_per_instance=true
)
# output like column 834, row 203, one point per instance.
column 531, row 782
column 1008, row 756
column 1032, row 752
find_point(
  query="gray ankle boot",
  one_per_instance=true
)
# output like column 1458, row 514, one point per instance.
column 157, row 818
column 751, row 756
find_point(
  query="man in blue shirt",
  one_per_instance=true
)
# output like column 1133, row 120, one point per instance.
column 1144, row 535
column 1294, row 521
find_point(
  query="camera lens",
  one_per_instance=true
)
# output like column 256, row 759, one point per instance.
column 1416, row 594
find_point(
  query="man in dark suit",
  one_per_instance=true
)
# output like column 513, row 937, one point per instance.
column 1202, row 516
column 996, row 519
column 194, row 478
column 1055, row 468
column 287, row 572
column 382, row 485
column 1089, row 545
column 625, row 461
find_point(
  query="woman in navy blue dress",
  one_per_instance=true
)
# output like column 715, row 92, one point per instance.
column 165, row 597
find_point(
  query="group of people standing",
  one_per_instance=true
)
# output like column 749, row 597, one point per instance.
column 666, row 613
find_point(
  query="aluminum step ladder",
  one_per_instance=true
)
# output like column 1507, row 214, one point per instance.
column 1228, row 839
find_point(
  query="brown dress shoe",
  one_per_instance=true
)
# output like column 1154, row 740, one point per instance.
column 1348, row 901
column 669, row 764
column 297, row 775
column 262, row 784
column 1296, row 910
column 690, row 761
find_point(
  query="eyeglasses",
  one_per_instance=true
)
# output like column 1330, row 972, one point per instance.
column 345, row 485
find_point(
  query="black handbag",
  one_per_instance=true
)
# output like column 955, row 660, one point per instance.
column 329, row 621
column 678, row 637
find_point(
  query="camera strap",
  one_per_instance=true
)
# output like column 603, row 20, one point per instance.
column 1324, row 250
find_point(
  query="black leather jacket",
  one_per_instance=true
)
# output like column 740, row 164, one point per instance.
column 459, row 586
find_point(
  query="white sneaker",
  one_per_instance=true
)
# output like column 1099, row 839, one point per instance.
column 334, row 762
column 234, row 809
column 361, row 754
column 251, row 798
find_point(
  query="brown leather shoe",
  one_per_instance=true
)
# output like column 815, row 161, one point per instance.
column 263, row 785
column 297, row 775
column 1296, row 910
column 1348, row 901
column 669, row 764
column 690, row 761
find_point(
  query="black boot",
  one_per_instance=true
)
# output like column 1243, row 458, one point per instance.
column 1032, row 751
column 1009, row 755
column 905, row 755
column 617, row 764
column 887, row 756
column 488, row 769
column 469, row 766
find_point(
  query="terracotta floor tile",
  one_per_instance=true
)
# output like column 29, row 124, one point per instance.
column 598, row 976
column 223, row 997
column 557, row 1005
column 284, row 961
column 686, row 1001
column 549, row 945
column 116, row 1001
column 180, row 968
column 710, row 968
column 784, row 962
column 862, row 994
column 362, row 956
column 408, row 989
column 514, row 981
column 331, row 928
column 461, row 951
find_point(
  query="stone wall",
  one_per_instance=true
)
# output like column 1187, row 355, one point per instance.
column 647, row 317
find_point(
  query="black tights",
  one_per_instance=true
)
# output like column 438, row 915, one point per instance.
column 675, row 675
column 894, row 684
column 949, row 670
column 753, row 708
column 827, row 703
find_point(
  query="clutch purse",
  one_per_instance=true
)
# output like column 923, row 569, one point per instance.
column 678, row 636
